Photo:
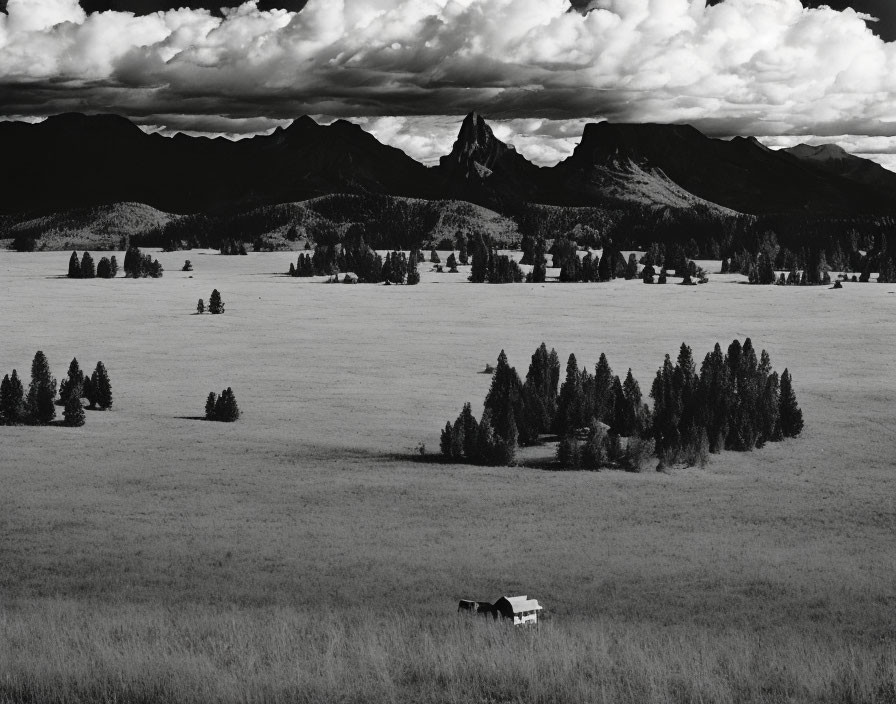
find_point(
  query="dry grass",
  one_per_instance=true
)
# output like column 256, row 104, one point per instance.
column 61, row 652
column 301, row 554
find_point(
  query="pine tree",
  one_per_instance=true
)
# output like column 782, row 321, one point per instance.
column 101, row 388
column 73, row 414
column 200, row 307
column 413, row 276
column 39, row 404
column 603, row 391
column 215, row 304
column 73, row 384
column 12, row 399
column 569, row 402
column 471, row 433
column 113, row 267
column 539, row 266
column 226, row 409
column 505, row 400
column 434, row 257
column 791, row 417
column 631, row 268
column 210, row 405
column 87, row 268
column 446, row 442
column 74, row 267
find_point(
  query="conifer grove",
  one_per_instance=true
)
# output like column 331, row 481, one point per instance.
column 734, row 401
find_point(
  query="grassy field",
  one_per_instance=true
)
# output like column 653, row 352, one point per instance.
column 305, row 554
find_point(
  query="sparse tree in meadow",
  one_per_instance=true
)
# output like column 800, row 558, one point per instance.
column 200, row 307
column 73, row 414
column 434, row 257
column 790, row 416
column 113, row 267
column 39, row 404
column 451, row 263
column 215, row 304
column 74, row 267
column 101, row 388
column 12, row 399
column 88, row 271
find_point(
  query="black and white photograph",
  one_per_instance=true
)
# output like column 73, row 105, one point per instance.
column 447, row 351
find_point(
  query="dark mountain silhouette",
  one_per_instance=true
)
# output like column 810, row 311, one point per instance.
column 74, row 160
column 482, row 169
column 833, row 160
column 77, row 161
column 740, row 174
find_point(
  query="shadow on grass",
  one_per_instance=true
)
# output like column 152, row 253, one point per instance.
column 203, row 418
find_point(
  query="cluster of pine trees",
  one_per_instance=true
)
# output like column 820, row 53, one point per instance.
column 735, row 402
column 222, row 408
column 489, row 267
column 232, row 246
column 215, row 304
column 38, row 405
column 140, row 266
column 359, row 259
column 84, row 268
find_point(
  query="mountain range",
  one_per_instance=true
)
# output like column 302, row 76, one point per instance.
column 76, row 161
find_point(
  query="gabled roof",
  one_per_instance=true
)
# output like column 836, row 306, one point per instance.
column 519, row 604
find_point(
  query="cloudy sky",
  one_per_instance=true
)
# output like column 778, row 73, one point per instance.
column 409, row 69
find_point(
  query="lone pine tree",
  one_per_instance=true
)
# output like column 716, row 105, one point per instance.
column 215, row 304
column 39, row 404
column 200, row 307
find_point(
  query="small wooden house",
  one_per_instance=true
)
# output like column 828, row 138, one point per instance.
column 521, row 609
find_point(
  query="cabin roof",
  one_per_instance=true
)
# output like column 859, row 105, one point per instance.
column 519, row 604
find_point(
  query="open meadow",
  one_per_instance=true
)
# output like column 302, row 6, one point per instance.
column 306, row 553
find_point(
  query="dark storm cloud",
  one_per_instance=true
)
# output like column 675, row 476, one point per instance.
column 765, row 67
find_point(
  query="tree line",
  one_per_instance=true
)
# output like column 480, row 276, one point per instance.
column 361, row 260
column 735, row 402
column 37, row 406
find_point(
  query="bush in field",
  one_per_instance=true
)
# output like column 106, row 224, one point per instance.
column 188, row 265
column 104, row 268
column 200, row 307
column 40, row 408
column 215, row 304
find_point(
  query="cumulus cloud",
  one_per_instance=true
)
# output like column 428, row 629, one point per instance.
column 764, row 67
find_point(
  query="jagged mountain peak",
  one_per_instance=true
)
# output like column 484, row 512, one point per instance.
column 477, row 152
